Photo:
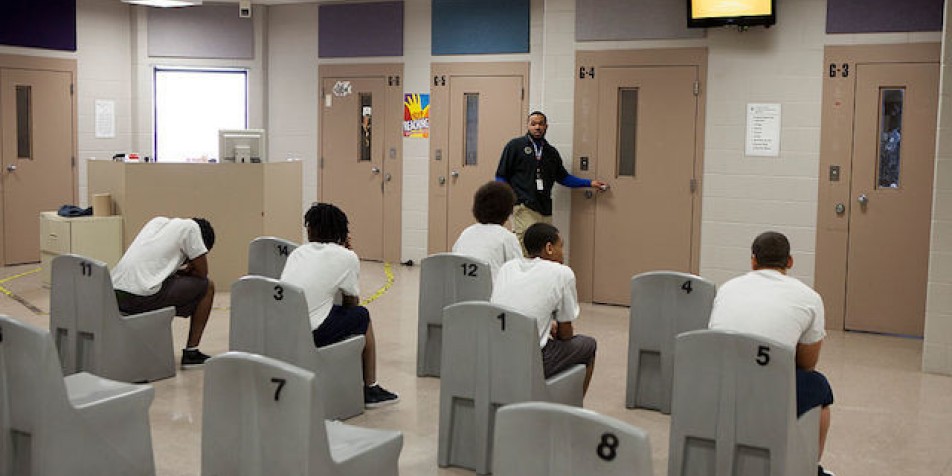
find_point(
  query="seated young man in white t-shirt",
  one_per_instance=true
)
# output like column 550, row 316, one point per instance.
column 150, row 275
column 489, row 240
column 323, row 267
column 766, row 302
column 543, row 288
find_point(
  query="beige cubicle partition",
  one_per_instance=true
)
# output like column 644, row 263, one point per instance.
column 242, row 201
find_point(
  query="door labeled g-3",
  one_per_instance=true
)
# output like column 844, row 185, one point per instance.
column 37, row 155
column 354, row 172
column 646, row 151
column 891, row 197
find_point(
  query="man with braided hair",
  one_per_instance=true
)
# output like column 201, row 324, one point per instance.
column 322, row 268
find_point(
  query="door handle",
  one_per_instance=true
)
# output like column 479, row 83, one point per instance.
column 442, row 180
column 454, row 174
column 374, row 170
column 387, row 176
column 11, row 168
column 589, row 194
column 862, row 199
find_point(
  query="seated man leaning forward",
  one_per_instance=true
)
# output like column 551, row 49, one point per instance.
column 323, row 267
column 543, row 288
column 489, row 240
column 151, row 275
column 768, row 303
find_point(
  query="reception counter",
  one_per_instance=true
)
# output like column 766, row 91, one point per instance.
column 242, row 202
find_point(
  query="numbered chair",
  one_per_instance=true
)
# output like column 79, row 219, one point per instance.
column 549, row 439
column 262, row 416
column 495, row 360
column 267, row 255
column 78, row 425
column 735, row 409
column 663, row 305
column 270, row 317
column 445, row 278
column 93, row 336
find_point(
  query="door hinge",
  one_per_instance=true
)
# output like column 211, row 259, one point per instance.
column 522, row 95
column 70, row 89
column 320, row 165
column 693, row 185
column 72, row 161
column 697, row 88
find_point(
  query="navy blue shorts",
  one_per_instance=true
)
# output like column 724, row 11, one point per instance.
column 180, row 290
column 342, row 322
column 813, row 390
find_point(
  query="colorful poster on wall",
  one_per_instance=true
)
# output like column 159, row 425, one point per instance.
column 416, row 115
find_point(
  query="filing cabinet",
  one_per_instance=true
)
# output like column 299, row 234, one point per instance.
column 94, row 237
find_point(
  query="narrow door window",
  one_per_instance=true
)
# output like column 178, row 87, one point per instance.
column 890, row 136
column 24, row 122
column 627, row 131
column 366, row 121
column 472, row 129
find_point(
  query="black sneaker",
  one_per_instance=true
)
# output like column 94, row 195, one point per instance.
column 377, row 396
column 822, row 472
column 193, row 358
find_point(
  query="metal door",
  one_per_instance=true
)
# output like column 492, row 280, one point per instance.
column 37, row 160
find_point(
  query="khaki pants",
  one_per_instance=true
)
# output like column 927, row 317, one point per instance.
column 522, row 218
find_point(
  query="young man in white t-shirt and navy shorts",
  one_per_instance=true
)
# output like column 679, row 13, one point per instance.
column 151, row 275
column 489, row 240
column 323, row 267
column 543, row 288
column 768, row 303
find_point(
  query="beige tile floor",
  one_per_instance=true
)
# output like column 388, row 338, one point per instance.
column 889, row 417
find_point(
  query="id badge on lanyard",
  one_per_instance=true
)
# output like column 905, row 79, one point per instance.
column 538, row 155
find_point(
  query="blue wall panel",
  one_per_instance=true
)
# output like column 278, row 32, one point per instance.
column 480, row 26
column 49, row 24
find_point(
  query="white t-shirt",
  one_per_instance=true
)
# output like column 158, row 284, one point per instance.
column 539, row 289
column 321, row 269
column 491, row 243
column 159, row 249
column 771, row 304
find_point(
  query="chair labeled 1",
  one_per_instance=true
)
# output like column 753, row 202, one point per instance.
column 549, row 439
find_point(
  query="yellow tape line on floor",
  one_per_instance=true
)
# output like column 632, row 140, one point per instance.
column 17, row 276
column 17, row 298
column 383, row 290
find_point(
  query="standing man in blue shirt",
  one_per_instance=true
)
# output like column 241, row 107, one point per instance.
column 531, row 166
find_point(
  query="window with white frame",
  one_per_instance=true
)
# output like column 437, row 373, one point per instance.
column 191, row 106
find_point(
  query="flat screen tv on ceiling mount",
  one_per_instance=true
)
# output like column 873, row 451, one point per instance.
column 741, row 13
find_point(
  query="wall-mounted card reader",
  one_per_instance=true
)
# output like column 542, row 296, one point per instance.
column 834, row 173
column 583, row 163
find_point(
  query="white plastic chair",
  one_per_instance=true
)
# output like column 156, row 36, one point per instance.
column 91, row 334
column 549, row 439
column 78, row 425
column 267, row 255
column 663, row 305
column 270, row 317
column 491, row 358
column 262, row 416
column 734, row 409
column 445, row 278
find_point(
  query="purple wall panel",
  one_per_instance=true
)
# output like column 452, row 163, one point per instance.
column 47, row 24
column 360, row 29
column 869, row 16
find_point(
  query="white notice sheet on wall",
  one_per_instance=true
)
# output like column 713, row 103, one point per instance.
column 763, row 130
column 105, row 119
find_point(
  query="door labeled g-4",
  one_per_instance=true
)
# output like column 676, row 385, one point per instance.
column 646, row 151
column 891, row 197
column 353, row 174
column 37, row 151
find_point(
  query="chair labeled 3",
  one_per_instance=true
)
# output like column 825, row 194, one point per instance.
column 663, row 305
column 262, row 417
column 92, row 336
column 491, row 358
column 270, row 317
column 734, row 409
column 78, row 425
column 445, row 278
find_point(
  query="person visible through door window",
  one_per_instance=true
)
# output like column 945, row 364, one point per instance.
column 489, row 240
column 531, row 166
column 322, row 268
column 543, row 288
column 167, row 265
column 768, row 303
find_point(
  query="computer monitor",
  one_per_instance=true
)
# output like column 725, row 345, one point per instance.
column 242, row 146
